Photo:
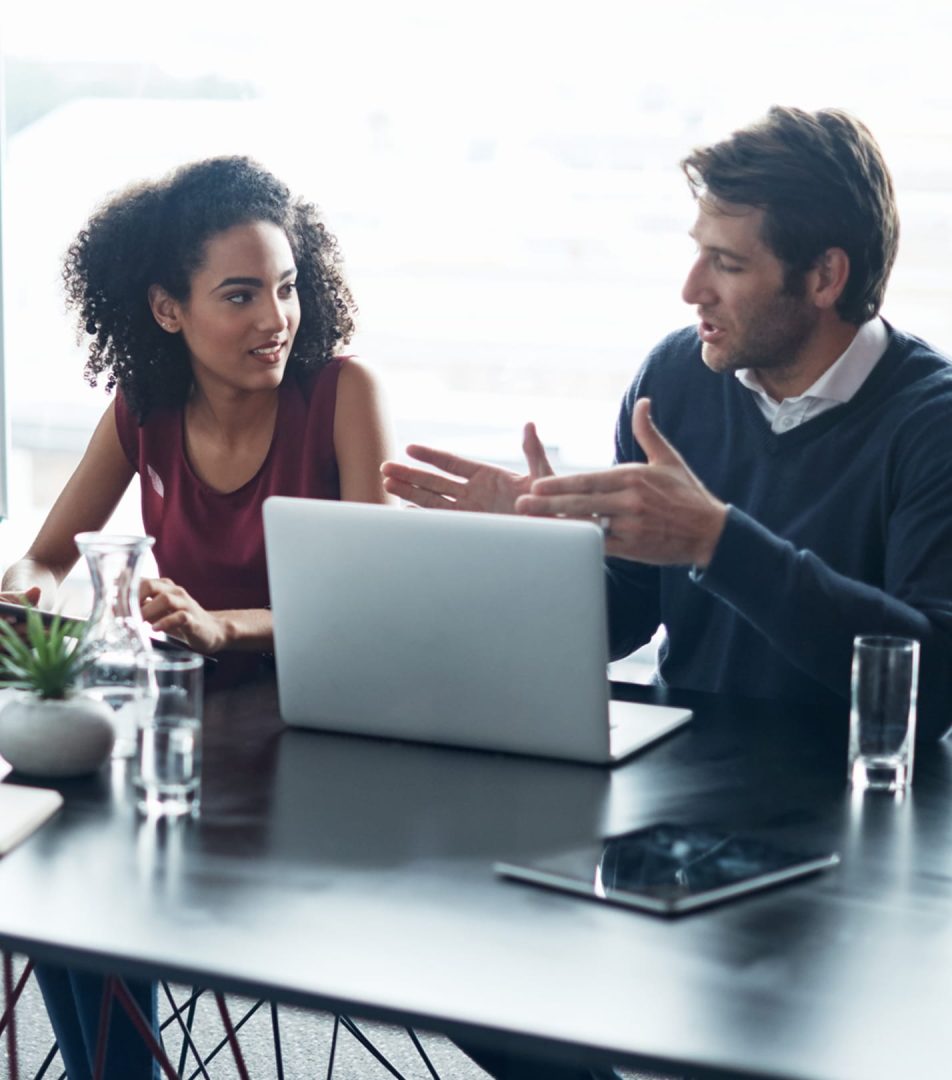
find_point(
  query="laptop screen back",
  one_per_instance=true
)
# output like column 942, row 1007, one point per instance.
column 466, row 629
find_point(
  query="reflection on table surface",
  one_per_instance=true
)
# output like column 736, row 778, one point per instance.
column 327, row 868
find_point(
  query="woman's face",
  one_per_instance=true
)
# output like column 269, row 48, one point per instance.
column 243, row 311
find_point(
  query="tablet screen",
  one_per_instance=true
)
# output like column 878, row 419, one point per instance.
column 162, row 642
column 669, row 868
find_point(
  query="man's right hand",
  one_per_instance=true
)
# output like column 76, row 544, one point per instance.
column 469, row 485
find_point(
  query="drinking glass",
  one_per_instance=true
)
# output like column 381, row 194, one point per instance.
column 168, row 757
column 883, row 713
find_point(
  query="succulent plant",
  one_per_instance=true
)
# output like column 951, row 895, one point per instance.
column 45, row 660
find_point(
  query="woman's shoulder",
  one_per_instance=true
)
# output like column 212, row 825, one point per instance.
column 127, row 425
column 305, row 382
column 156, row 416
column 345, row 373
column 355, row 374
column 344, row 384
column 147, row 436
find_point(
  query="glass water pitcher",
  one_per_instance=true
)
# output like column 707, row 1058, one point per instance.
column 116, row 635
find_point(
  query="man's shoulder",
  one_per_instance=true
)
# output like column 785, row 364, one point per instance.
column 673, row 359
column 912, row 400
column 683, row 345
column 917, row 355
column 676, row 379
column 916, row 374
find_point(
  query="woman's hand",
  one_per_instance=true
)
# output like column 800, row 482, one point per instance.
column 171, row 610
column 27, row 596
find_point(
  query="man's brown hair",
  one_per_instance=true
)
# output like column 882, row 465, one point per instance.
column 821, row 180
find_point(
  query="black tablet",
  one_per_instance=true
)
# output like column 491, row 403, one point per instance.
column 162, row 642
column 669, row 869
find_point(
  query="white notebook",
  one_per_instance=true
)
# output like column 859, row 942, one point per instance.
column 22, row 811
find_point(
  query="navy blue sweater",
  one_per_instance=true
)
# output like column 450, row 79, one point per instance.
column 841, row 526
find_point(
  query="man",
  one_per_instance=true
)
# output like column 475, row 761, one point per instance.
column 783, row 477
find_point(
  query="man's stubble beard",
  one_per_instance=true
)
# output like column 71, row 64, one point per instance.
column 774, row 339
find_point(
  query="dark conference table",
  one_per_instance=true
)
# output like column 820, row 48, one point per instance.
column 355, row 875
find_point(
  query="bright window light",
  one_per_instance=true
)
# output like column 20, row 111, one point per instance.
column 502, row 178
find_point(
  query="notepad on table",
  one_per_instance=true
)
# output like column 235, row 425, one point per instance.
column 22, row 811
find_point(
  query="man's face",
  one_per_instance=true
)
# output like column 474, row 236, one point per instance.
column 749, row 317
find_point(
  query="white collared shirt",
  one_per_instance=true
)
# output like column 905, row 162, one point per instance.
column 834, row 387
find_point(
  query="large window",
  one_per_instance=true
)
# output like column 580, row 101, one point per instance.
column 502, row 177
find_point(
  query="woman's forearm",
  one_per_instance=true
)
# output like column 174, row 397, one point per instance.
column 246, row 630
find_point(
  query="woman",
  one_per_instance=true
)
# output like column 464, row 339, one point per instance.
column 200, row 292
column 215, row 305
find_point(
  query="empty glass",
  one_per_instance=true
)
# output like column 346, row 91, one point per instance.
column 883, row 714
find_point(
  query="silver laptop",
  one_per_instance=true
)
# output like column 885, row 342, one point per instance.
column 476, row 630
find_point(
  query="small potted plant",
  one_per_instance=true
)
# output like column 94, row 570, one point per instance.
column 50, row 728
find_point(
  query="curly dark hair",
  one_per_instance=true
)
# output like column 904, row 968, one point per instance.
column 155, row 233
column 821, row 180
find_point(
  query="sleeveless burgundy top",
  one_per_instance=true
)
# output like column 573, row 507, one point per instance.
column 212, row 543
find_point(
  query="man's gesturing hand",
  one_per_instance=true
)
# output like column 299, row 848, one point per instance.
column 656, row 513
column 470, row 485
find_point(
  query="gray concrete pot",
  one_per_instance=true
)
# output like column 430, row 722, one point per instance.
column 55, row 737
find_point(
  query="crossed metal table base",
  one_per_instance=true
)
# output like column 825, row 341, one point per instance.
column 115, row 990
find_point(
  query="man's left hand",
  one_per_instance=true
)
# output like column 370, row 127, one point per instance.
column 658, row 513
